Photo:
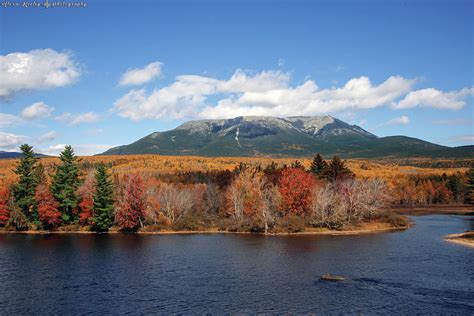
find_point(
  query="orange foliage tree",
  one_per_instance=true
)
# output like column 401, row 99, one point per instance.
column 295, row 187
column 4, row 212
column 86, row 194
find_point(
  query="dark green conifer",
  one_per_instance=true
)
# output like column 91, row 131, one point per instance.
column 24, row 190
column 337, row 170
column 65, row 183
column 318, row 166
column 103, row 200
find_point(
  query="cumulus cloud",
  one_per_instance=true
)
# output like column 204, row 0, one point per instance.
column 79, row 149
column 264, row 93
column 37, row 110
column 47, row 137
column 402, row 120
column 434, row 98
column 38, row 69
column 9, row 141
column 138, row 76
column 76, row 119
column 9, row 120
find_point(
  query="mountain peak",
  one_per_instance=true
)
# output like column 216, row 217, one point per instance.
column 274, row 136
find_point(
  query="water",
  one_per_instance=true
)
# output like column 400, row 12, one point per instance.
column 407, row 272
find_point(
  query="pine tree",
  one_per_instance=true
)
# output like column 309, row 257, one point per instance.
column 103, row 200
column 65, row 183
column 318, row 166
column 470, row 187
column 24, row 190
column 337, row 170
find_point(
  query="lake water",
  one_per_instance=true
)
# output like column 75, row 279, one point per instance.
column 412, row 271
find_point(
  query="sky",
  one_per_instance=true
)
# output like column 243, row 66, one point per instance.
column 107, row 73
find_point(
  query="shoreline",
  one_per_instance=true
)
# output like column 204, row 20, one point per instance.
column 460, row 239
column 434, row 210
column 366, row 228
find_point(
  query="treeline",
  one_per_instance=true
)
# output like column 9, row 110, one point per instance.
column 428, row 190
column 270, row 198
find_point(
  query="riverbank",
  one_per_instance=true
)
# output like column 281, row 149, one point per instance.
column 465, row 239
column 362, row 228
column 434, row 210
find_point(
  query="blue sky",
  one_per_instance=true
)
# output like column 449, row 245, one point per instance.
column 115, row 71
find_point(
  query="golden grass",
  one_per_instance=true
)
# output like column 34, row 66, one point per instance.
column 155, row 164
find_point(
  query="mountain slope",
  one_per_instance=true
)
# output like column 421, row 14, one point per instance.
column 272, row 136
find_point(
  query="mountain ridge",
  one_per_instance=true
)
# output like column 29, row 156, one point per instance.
column 296, row 136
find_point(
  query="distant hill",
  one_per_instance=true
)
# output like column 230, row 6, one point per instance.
column 292, row 136
column 15, row 155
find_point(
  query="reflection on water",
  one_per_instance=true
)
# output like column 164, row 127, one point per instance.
column 413, row 271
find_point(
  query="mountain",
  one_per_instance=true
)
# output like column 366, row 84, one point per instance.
column 15, row 155
column 274, row 136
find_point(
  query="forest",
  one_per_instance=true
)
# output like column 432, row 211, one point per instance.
column 240, row 195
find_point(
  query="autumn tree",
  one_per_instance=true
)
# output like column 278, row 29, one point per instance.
column 318, row 166
column 65, row 183
column 130, row 212
column 470, row 187
column 103, row 200
column 86, row 195
column 244, row 195
column 24, row 190
column 295, row 187
column 17, row 219
column 4, row 211
column 48, row 212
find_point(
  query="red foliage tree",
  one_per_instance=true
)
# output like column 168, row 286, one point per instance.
column 86, row 193
column 131, row 207
column 295, row 187
column 4, row 212
column 48, row 212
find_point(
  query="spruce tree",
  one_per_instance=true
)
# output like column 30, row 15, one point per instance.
column 337, row 169
column 65, row 183
column 470, row 187
column 318, row 166
column 24, row 190
column 103, row 200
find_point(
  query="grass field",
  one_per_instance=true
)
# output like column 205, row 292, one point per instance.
column 154, row 164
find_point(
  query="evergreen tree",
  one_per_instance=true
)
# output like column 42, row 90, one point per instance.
column 65, row 183
column 470, row 187
column 103, row 200
column 455, row 185
column 318, row 166
column 337, row 170
column 24, row 190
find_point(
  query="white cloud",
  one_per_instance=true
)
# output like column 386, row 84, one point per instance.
column 94, row 131
column 264, row 93
column 37, row 110
column 138, row 76
column 434, row 98
column 402, row 120
column 47, row 137
column 9, row 141
column 36, row 70
column 75, row 119
column 463, row 138
column 79, row 149
column 458, row 121
column 9, row 120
